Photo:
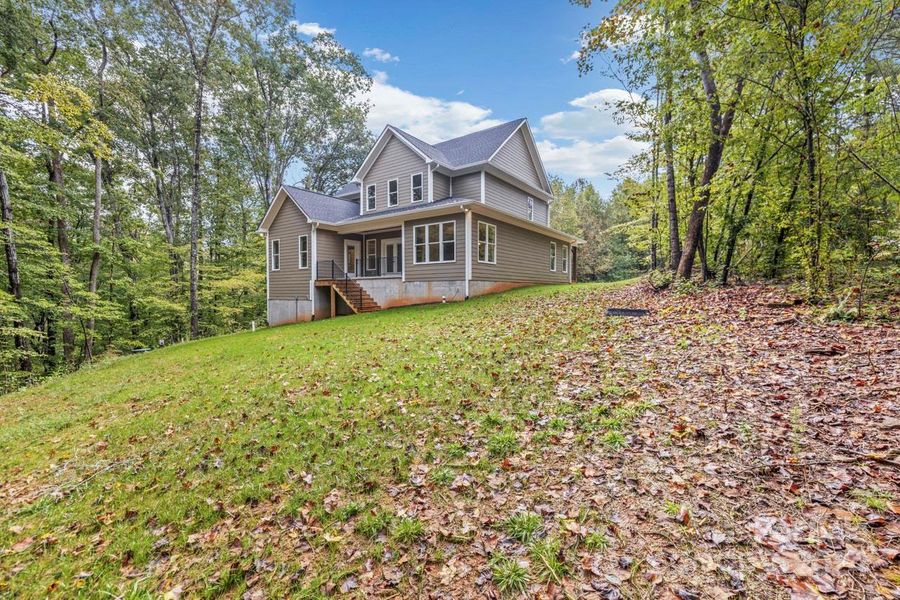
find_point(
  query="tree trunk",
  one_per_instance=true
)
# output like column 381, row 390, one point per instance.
column 12, row 268
column 195, row 213
column 95, row 257
column 62, row 241
column 720, row 125
column 674, row 239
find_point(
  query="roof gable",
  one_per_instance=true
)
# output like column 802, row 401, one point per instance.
column 518, row 155
column 477, row 147
column 313, row 205
column 389, row 133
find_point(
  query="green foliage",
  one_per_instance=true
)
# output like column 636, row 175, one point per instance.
column 503, row 444
column 596, row 540
column 371, row 524
column 280, row 100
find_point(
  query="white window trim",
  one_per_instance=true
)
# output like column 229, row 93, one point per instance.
column 478, row 244
column 553, row 257
column 529, row 208
column 412, row 190
column 440, row 225
column 397, row 182
column 373, row 255
column 374, row 196
column 300, row 252
column 274, row 254
column 565, row 259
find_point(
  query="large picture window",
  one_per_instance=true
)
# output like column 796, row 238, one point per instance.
column 487, row 243
column 393, row 193
column 434, row 242
column 276, row 255
column 303, row 245
column 370, row 197
column 416, row 185
column 552, row 256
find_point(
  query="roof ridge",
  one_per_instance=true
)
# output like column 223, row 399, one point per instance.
column 317, row 193
column 504, row 124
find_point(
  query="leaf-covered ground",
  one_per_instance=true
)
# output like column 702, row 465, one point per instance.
column 728, row 445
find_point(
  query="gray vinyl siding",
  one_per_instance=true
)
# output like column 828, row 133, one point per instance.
column 467, row 186
column 507, row 197
column 522, row 255
column 329, row 246
column 289, row 282
column 441, row 186
column 396, row 161
column 447, row 271
column 515, row 159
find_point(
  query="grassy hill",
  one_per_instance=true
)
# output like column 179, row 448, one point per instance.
column 153, row 473
column 520, row 444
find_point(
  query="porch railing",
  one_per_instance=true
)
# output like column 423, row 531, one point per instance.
column 362, row 267
column 329, row 269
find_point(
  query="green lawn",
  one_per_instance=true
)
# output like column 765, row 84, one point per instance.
column 153, row 472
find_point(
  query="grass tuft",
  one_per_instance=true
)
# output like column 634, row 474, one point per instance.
column 370, row 525
column 596, row 540
column 510, row 576
column 503, row 444
column 545, row 554
column 522, row 526
column 408, row 530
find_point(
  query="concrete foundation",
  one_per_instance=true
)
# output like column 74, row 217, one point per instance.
column 388, row 293
column 282, row 312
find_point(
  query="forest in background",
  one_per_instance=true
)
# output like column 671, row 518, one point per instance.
column 772, row 135
column 140, row 145
column 141, row 142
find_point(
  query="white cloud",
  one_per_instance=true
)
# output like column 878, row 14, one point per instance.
column 595, row 117
column 311, row 29
column 574, row 56
column 589, row 159
column 380, row 55
column 429, row 118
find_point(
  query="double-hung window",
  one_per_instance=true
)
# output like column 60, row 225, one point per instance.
column 370, row 197
column 393, row 193
column 371, row 255
column 276, row 255
column 415, row 182
column 530, row 209
column 303, row 246
column 487, row 243
column 435, row 242
column 565, row 259
column 552, row 256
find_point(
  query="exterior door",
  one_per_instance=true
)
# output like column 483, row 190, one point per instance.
column 351, row 257
column 391, row 252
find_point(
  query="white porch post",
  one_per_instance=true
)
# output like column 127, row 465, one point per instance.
column 430, row 184
column 403, row 251
column 482, row 187
column 468, row 238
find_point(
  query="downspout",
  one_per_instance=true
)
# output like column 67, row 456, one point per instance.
column 313, row 260
column 266, row 234
column 430, row 184
column 468, row 250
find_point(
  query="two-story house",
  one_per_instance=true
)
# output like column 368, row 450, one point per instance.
column 419, row 223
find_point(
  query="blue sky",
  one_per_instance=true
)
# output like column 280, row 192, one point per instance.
column 443, row 69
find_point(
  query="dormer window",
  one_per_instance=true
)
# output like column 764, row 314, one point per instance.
column 530, row 209
column 370, row 197
column 416, row 184
column 393, row 193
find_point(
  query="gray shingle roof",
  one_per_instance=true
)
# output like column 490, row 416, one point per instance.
column 478, row 146
column 401, row 209
column 321, row 207
column 467, row 149
column 348, row 189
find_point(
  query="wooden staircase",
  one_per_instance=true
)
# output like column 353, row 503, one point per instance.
column 356, row 297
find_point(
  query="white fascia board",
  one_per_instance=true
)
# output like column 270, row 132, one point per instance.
column 507, row 217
